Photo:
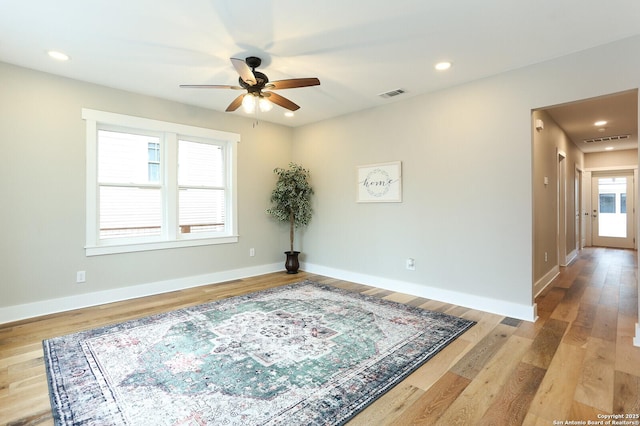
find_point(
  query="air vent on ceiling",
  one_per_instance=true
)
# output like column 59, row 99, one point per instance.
column 391, row 93
column 608, row 139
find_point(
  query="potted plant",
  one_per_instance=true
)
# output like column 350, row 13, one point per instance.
column 291, row 202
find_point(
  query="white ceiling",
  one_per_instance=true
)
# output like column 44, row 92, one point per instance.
column 358, row 49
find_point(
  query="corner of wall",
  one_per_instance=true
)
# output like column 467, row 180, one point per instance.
column 544, row 282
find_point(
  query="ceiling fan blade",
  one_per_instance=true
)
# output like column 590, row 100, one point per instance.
column 281, row 100
column 245, row 72
column 235, row 104
column 209, row 86
column 293, row 83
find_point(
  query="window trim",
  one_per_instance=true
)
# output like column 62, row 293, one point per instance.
column 94, row 246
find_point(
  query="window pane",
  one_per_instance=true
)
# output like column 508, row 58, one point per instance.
column 200, row 164
column 201, row 210
column 125, row 157
column 129, row 212
column 154, row 172
column 154, row 162
column 623, row 203
column 154, row 152
column 607, row 203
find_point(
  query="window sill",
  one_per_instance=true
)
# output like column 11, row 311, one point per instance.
column 156, row 245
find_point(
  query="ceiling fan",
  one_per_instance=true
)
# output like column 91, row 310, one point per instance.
column 255, row 83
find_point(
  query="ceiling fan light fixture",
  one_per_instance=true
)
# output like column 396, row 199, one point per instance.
column 264, row 104
column 249, row 103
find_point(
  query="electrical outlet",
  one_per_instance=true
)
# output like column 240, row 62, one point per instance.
column 252, row 252
column 411, row 264
column 81, row 276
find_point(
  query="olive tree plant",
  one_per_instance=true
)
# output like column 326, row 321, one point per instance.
column 291, row 198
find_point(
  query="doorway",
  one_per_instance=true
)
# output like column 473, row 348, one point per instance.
column 571, row 143
column 612, row 215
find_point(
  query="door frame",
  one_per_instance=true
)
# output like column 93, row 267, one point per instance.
column 579, row 225
column 561, row 228
column 587, row 209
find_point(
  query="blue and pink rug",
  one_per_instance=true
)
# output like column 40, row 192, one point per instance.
column 302, row 354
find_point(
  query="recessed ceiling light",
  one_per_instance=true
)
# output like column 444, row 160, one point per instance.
column 443, row 66
column 59, row 56
column 609, row 148
column 289, row 114
column 600, row 123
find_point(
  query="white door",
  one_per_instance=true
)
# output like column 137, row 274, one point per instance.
column 613, row 210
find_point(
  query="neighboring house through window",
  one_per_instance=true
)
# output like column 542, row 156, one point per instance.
column 154, row 161
column 154, row 184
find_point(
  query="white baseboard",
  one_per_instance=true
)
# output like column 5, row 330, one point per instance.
column 543, row 282
column 45, row 307
column 571, row 257
column 485, row 304
column 51, row 306
column 636, row 340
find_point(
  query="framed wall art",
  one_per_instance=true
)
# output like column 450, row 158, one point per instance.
column 380, row 183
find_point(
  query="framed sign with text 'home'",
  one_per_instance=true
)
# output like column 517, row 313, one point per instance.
column 380, row 183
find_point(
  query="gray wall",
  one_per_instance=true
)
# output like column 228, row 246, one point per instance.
column 42, row 184
column 467, row 160
column 547, row 144
column 625, row 158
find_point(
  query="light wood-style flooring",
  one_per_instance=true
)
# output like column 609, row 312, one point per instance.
column 576, row 362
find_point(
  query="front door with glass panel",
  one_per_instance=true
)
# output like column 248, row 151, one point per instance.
column 612, row 211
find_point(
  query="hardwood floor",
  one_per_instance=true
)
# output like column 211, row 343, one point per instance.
column 575, row 363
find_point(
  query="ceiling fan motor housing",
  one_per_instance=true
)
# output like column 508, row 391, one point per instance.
column 253, row 61
column 261, row 81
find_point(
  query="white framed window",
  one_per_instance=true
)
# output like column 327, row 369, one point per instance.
column 154, row 185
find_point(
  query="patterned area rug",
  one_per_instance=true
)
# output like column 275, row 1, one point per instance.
column 302, row 354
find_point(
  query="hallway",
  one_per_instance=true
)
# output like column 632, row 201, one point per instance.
column 593, row 306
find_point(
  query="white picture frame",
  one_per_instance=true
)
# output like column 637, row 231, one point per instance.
column 379, row 183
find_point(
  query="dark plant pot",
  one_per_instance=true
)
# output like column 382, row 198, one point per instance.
column 291, row 263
